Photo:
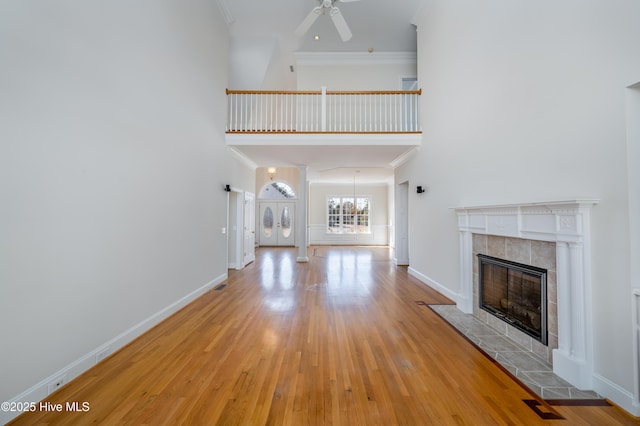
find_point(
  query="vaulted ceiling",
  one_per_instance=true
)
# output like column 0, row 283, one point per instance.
column 384, row 25
column 262, row 35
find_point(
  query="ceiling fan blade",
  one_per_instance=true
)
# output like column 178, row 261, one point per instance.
column 308, row 22
column 340, row 23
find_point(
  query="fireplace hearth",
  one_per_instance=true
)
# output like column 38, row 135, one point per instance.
column 515, row 293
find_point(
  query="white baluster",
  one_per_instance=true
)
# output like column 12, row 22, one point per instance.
column 387, row 99
column 418, row 127
column 417, row 110
column 371, row 107
column 252, row 98
column 329, row 110
column 323, row 105
column 234, row 112
column 242, row 112
column 352, row 115
column 407, row 113
column 394, row 113
column 413, row 113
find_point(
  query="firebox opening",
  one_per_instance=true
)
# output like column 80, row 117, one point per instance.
column 515, row 293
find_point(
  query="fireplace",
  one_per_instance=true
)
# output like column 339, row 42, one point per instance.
column 563, row 225
column 515, row 293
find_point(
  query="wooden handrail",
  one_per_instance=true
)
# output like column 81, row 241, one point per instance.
column 375, row 92
column 303, row 132
column 329, row 92
column 271, row 92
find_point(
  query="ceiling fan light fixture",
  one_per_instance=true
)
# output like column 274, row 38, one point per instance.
column 340, row 23
column 308, row 21
column 334, row 13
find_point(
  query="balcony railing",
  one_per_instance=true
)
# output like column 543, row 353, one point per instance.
column 323, row 111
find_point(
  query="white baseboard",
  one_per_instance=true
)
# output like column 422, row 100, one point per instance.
column 434, row 284
column 39, row 391
column 619, row 396
column 318, row 235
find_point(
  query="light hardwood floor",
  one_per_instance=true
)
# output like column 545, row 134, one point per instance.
column 341, row 340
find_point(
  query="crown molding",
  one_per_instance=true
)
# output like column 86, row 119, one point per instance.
column 243, row 158
column 355, row 58
column 399, row 161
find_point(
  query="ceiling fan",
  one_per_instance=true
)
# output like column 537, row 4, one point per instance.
column 336, row 17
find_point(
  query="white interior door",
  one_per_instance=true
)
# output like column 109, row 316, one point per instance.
column 249, row 228
column 402, row 224
column 234, row 233
column 277, row 223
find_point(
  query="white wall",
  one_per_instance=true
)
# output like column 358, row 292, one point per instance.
column 379, row 219
column 353, row 71
column 524, row 102
column 112, row 164
column 633, row 164
column 249, row 62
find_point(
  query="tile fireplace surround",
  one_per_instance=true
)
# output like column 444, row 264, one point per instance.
column 564, row 224
column 541, row 254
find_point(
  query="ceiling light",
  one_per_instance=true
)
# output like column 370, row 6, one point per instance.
column 316, row 37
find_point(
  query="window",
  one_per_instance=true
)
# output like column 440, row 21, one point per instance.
column 346, row 216
column 277, row 191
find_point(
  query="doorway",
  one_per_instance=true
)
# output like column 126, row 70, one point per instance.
column 240, row 228
column 276, row 222
column 234, row 227
column 249, row 228
column 402, row 224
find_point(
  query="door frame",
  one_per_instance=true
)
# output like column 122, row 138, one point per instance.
column 249, row 226
column 402, row 224
column 235, row 198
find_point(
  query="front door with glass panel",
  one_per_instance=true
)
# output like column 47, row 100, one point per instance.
column 277, row 223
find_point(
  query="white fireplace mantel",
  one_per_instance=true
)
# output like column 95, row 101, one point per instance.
column 567, row 223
